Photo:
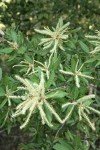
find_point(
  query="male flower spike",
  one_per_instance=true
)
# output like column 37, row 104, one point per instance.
column 34, row 98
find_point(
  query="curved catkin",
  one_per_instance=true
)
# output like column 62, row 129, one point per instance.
column 43, row 116
column 34, row 98
column 53, row 111
column 88, row 120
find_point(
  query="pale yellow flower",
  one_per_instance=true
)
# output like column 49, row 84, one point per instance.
column 56, row 37
column 34, row 98
column 83, row 107
column 95, row 39
column 76, row 74
column 31, row 67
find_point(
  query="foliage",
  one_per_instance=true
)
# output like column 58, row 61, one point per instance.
column 49, row 82
column 28, row 59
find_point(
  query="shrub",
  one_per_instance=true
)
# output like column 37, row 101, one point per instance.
column 49, row 87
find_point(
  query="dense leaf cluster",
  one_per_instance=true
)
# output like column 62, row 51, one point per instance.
column 71, row 77
column 50, row 81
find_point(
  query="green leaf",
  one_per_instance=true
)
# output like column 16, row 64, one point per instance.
column 77, row 142
column 50, row 80
column 71, row 45
column 2, row 92
column 61, row 78
column 73, row 62
column 84, row 46
column 75, row 30
column 3, row 103
column 48, row 113
column 57, row 94
column 0, row 73
column 97, row 64
column 88, row 102
column 55, row 62
column 6, row 50
column 28, row 58
column 21, row 50
column 75, row 92
column 13, row 35
column 20, row 38
column 69, row 135
column 62, row 145
column 91, row 60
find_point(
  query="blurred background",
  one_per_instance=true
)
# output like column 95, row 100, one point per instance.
column 29, row 14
